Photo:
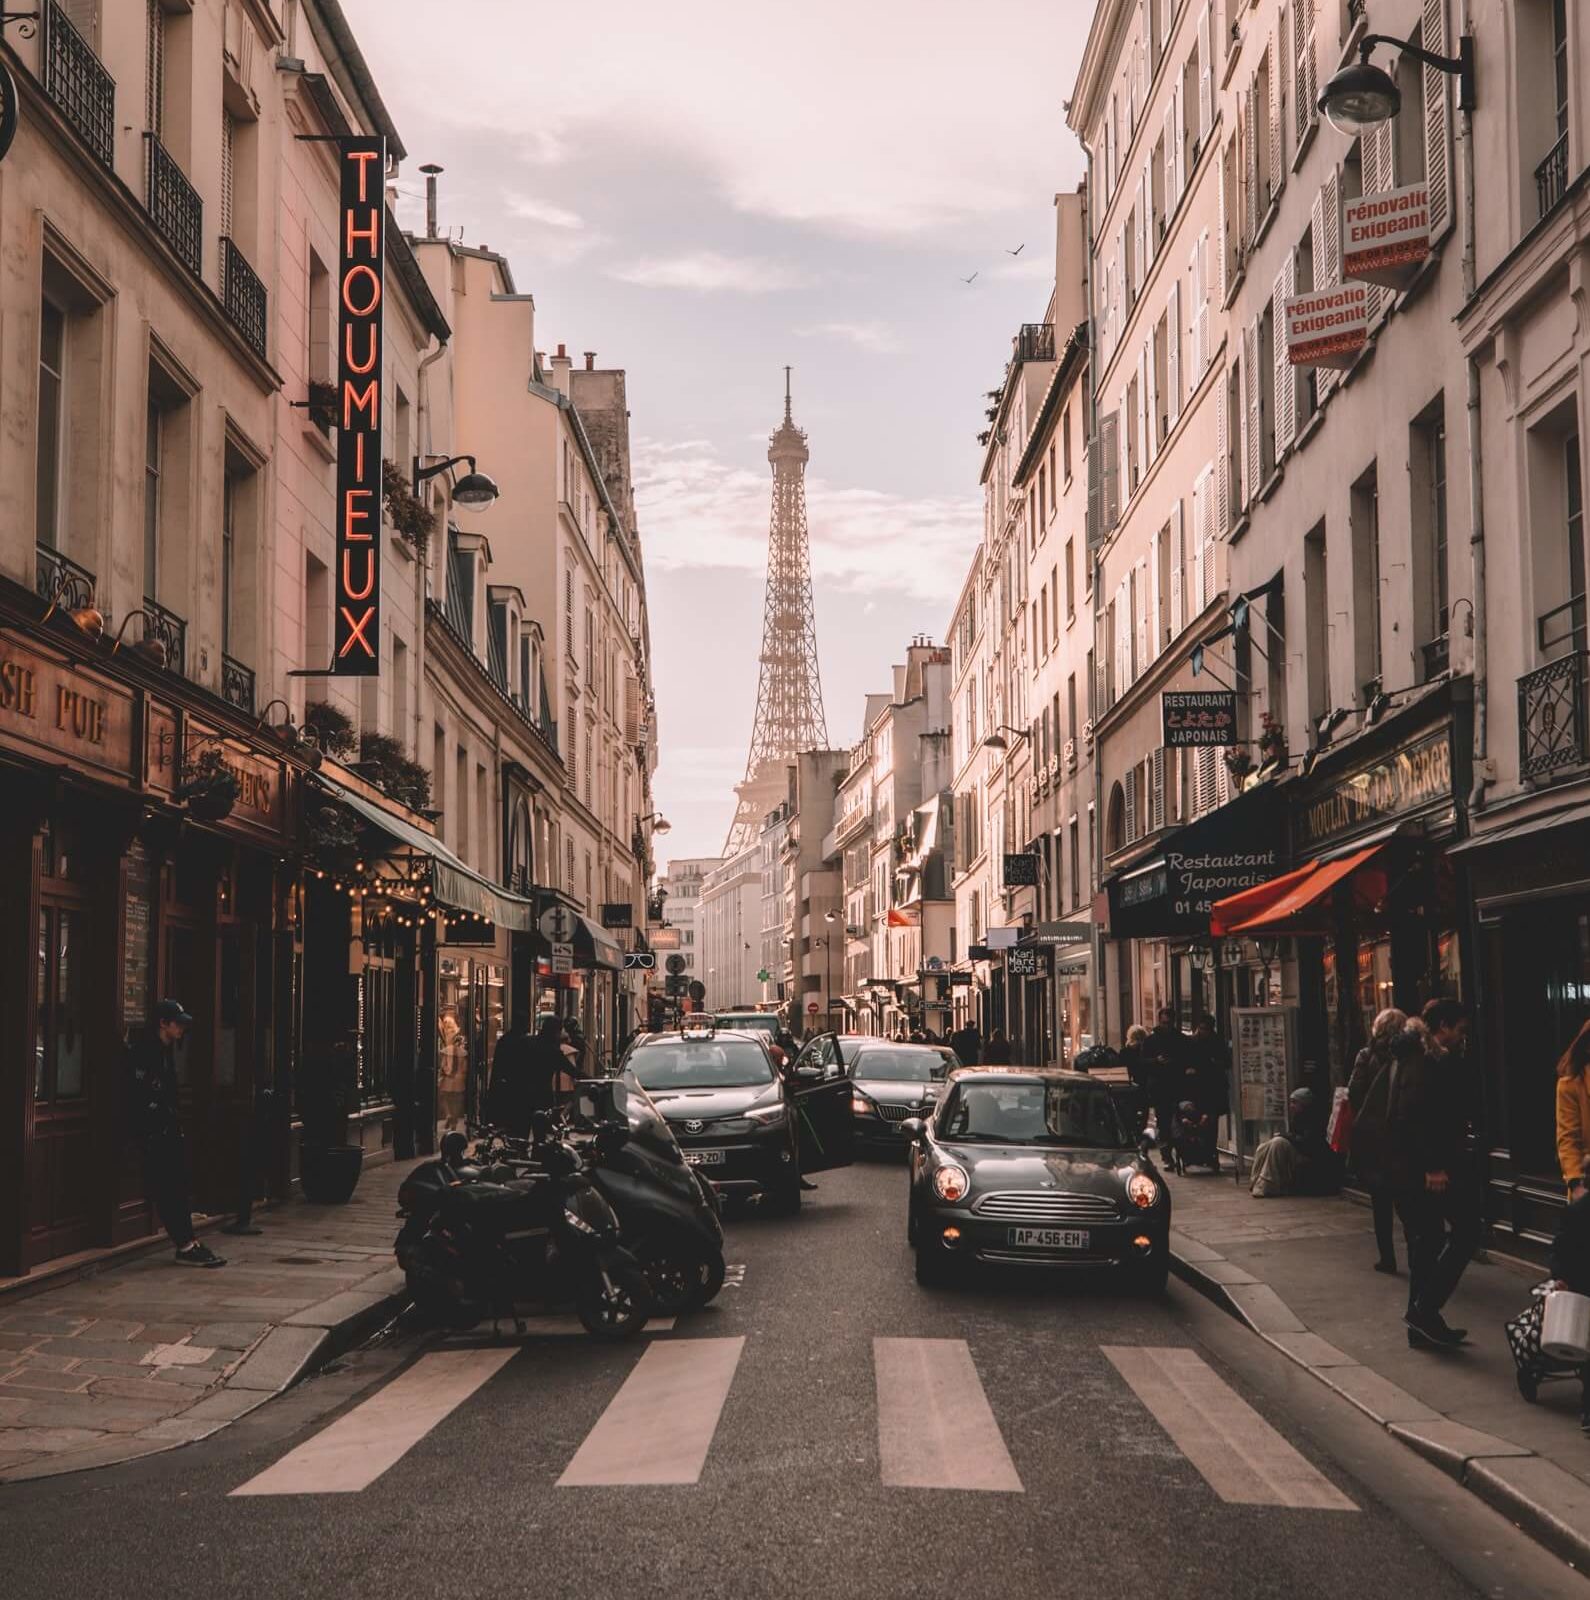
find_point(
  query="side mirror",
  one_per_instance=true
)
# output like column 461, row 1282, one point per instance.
column 913, row 1127
column 808, row 1072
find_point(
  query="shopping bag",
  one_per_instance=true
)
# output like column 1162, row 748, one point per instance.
column 1339, row 1130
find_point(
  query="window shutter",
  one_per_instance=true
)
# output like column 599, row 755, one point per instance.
column 1202, row 488
column 1155, row 629
column 154, row 55
column 1207, row 535
column 1206, row 78
column 1375, row 146
column 1172, row 138
column 1327, row 225
column 1131, row 806
column 1253, row 441
column 228, row 170
column 1140, row 617
column 1181, row 140
column 1285, row 377
column 1437, row 121
column 84, row 16
column 1145, row 406
column 1145, row 204
column 1204, row 780
column 1278, row 71
column 1255, row 128
column 1220, row 482
column 1173, row 354
column 1305, row 75
column 1123, row 638
column 1201, row 311
column 1108, row 452
column 1195, row 313
column 1218, row 283
column 1156, row 789
column 1139, row 259
column 1178, row 619
column 1124, row 481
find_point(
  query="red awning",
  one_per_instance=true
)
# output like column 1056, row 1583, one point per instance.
column 1294, row 903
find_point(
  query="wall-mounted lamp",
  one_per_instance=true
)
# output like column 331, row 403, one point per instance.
column 474, row 491
column 151, row 646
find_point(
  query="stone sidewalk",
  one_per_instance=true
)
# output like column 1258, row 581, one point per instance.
column 147, row 1355
column 1300, row 1273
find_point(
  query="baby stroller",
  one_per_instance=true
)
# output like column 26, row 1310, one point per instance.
column 1192, row 1139
column 1523, row 1336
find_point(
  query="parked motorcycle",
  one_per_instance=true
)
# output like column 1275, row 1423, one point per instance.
column 668, row 1213
column 483, row 1237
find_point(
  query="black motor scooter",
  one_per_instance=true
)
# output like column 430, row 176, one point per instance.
column 668, row 1213
column 516, row 1231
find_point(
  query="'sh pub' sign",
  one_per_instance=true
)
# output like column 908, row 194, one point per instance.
column 357, row 631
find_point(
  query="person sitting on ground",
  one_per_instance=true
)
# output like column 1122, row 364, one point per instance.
column 1297, row 1161
column 1570, row 1268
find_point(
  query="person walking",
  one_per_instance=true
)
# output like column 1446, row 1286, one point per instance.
column 1167, row 1065
column 510, row 1092
column 1425, row 1131
column 996, row 1053
column 1570, row 1269
column 156, row 1120
column 1573, row 1114
column 1368, row 1093
column 967, row 1045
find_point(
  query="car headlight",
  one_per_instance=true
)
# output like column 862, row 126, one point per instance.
column 575, row 1220
column 767, row 1116
column 861, row 1105
column 1141, row 1190
column 951, row 1183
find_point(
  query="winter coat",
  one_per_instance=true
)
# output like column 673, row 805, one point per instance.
column 1211, row 1083
column 1368, row 1093
column 1425, row 1116
column 153, row 1107
column 1573, row 1126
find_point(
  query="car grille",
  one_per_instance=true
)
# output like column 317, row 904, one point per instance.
column 720, row 1129
column 1040, row 1205
column 894, row 1113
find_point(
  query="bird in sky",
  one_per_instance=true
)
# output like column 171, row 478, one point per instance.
column 968, row 280
column 1017, row 251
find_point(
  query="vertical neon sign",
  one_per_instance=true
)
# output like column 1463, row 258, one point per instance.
column 360, row 290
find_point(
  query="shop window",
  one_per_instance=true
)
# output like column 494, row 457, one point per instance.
column 58, row 1043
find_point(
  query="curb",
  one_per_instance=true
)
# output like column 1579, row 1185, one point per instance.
column 1550, row 1505
column 293, row 1350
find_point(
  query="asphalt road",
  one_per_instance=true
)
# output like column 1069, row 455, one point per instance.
column 866, row 1437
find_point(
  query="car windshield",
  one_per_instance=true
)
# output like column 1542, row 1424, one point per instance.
column 1081, row 1115
column 898, row 1066
column 761, row 1021
column 704, row 1064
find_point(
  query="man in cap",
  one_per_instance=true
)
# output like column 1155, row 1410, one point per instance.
column 155, row 1117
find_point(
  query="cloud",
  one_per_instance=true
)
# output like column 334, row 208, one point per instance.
column 699, row 511
column 708, row 271
column 876, row 338
column 1028, row 268
column 543, row 211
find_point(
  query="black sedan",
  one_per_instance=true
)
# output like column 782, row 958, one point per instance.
column 889, row 1083
column 750, row 1128
column 1033, row 1168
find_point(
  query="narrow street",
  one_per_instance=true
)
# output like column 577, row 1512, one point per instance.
column 826, row 1422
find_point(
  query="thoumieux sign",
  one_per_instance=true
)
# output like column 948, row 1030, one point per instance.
column 356, row 633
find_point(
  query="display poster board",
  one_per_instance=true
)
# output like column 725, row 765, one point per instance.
column 1264, row 1065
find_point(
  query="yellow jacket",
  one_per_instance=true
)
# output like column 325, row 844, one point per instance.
column 1573, row 1125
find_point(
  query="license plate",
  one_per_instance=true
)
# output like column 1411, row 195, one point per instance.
column 704, row 1158
column 1050, row 1238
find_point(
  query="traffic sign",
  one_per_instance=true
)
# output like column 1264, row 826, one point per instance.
column 562, row 957
column 812, row 1007
column 697, row 991
column 676, row 965
column 557, row 925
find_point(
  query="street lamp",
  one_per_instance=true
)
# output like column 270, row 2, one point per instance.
column 1363, row 95
column 997, row 740
column 474, row 491
column 659, row 823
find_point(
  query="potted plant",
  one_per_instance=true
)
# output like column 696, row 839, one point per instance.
column 1239, row 764
column 208, row 787
column 413, row 519
column 333, row 729
column 322, row 407
column 1272, row 744
column 384, row 762
column 331, row 1165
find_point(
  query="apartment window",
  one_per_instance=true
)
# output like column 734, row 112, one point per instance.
column 1065, row 443
column 320, row 352
column 1364, row 529
column 1075, row 843
column 482, row 825
column 1071, row 705
column 400, row 691
column 166, row 445
column 1573, row 487
column 1263, row 405
column 228, row 172
column 461, row 800
column 1043, row 619
column 1317, row 624
column 152, row 499
column 1557, row 501
column 1427, row 486
column 568, row 865
column 51, row 422
column 228, row 556
column 1559, row 63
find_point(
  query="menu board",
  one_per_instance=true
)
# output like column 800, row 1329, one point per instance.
column 1264, row 1060
column 137, row 918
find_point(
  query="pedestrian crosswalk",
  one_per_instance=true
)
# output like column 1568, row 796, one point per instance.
column 936, row 1427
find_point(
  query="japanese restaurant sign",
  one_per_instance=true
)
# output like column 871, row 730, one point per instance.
column 1327, row 327
column 1192, row 717
column 356, row 631
column 1386, row 236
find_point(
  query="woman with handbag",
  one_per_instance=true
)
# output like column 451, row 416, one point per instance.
column 1573, row 1114
column 1368, row 1097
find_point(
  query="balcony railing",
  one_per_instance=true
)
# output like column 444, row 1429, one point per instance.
column 244, row 297
column 76, row 80
column 171, row 631
column 237, row 684
column 174, row 205
column 60, row 580
column 1551, row 177
column 1035, row 342
column 1551, row 718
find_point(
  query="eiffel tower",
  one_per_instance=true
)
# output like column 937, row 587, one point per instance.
column 789, row 696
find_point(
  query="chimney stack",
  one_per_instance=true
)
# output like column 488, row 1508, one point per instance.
column 432, row 172
column 590, row 361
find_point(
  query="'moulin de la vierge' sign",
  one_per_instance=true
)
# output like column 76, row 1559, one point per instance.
column 360, row 289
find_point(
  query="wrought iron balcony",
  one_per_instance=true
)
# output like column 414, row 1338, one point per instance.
column 1035, row 342
column 76, row 80
column 60, row 580
column 1551, row 177
column 245, row 297
column 1551, row 718
column 174, row 205
column 171, row 631
column 237, row 684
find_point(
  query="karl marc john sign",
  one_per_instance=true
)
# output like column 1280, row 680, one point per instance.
column 357, row 632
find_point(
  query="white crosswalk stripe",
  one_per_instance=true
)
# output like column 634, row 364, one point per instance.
column 936, row 1429
column 358, row 1447
column 659, row 1426
column 1242, row 1458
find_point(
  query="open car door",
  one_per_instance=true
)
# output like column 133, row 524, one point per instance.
column 819, row 1091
